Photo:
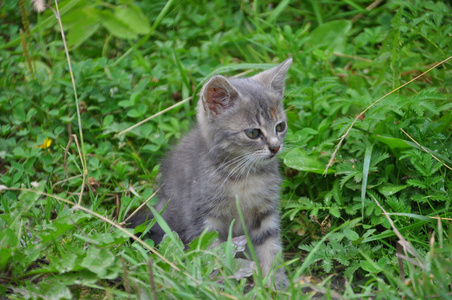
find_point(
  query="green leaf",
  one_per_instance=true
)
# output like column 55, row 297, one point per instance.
column 332, row 34
column 98, row 260
column 182, row 69
column 351, row 269
column 429, row 106
column 126, row 103
column 395, row 143
column 138, row 112
column 300, row 160
column 19, row 114
column 417, row 183
column 64, row 262
column 336, row 191
column 242, row 268
column 117, row 27
column 413, row 216
column 367, row 158
column 327, row 264
column 169, row 234
column 204, row 240
column 107, row 120
column 9, row 242
column 275, row 12
column 52, row 290
column 370, row 267
column 5, row 255
column 62, row 225
column 109, row 239
column 389, row 189
column 172, row 247
column 133, row 17
column 335, row 212
column 87, row 24
column 368, row 233
column 351, row 235
column 18, row 167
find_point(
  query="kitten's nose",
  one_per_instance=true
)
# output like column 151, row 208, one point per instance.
column 274, row 150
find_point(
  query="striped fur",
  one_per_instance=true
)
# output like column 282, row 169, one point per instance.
column 217, row 163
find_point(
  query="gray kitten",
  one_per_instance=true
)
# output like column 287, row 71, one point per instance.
column 229, row 154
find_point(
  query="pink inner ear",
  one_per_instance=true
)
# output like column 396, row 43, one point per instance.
column 217, row 100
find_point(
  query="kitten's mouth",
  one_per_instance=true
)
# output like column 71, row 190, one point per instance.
column 273, row 153
column 272, row 156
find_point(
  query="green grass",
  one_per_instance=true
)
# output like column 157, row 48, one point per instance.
column 131, row 60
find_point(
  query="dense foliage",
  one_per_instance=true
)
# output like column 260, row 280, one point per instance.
column 131, row 60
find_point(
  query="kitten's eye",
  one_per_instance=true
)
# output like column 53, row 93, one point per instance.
column 252, row 133
column 280, row 127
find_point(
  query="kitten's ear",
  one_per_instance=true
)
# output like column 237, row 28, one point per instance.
column 274, row 77
column 218, row 95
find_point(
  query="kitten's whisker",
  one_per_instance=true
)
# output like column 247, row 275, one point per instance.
column 210, row 150
column 245, row 166
column 252, row 164
column 255, row 158
column 239, row 161
column 232, row 161
column 224, row 164
column 238, row 166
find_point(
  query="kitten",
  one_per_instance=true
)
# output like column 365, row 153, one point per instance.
column 229, row 154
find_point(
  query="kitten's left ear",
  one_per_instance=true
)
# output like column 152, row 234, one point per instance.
column 274, row 77
column 218, row 95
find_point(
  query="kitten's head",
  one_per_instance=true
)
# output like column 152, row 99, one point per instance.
column 244, row 117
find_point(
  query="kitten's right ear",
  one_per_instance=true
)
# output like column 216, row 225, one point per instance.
column 218, row 95
column 274, row 77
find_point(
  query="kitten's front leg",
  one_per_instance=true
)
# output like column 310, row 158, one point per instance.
column 213, row 224
column 266, row 240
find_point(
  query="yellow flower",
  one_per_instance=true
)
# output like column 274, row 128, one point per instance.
column 46, row 144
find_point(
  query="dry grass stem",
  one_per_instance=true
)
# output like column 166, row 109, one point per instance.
column 409, row 259
column 65, row 180
column 118, row 205
column 228, row 296
column 117, row 226
column 153, row 116
column 243, row 73
column 414, row 141
column 66, row 150
column 125, row 276
column 400, row 262
column 352, row 57
column 151, row 278
column 84, row 172
column 63, row 37
column 407, row 247
column 442, row 219
column 139, row 207
column 341, row 140
column 368, row 8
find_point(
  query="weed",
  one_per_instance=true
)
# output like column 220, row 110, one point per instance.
column 80, row 146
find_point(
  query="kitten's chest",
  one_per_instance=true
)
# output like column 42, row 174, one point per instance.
column 247, row 190
column 254, row 193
